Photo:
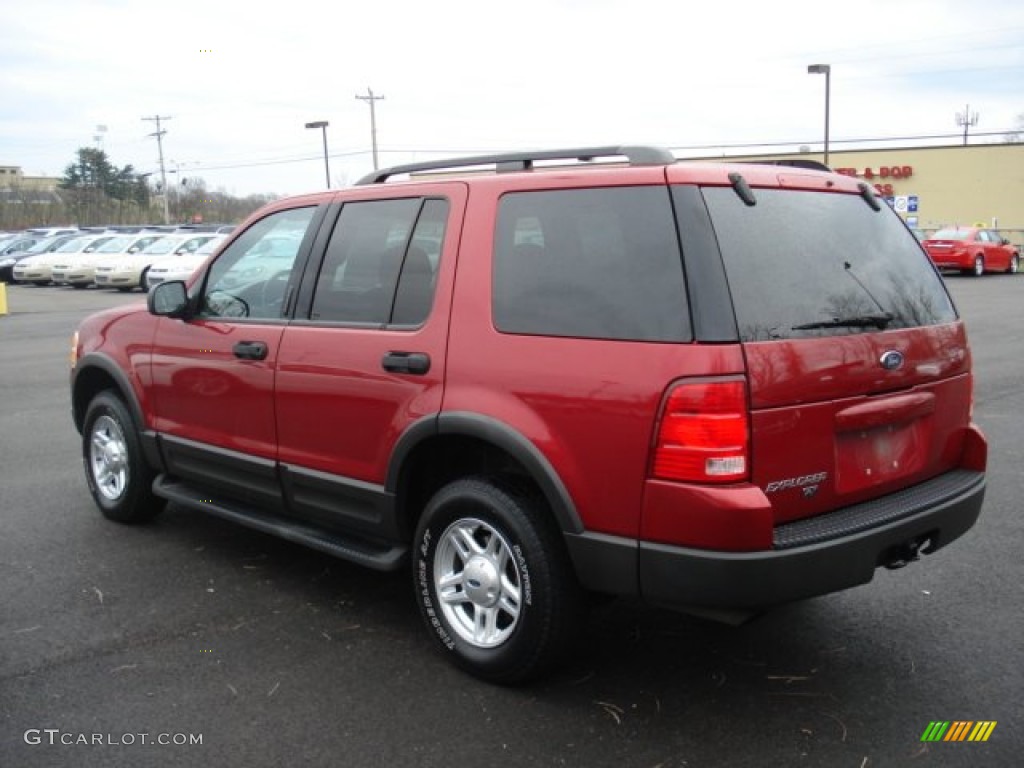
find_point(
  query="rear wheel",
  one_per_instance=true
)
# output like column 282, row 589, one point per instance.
column 1014, row 265
column 119, row 479
column 142, row 280
column 493, row 581
column 979, row 266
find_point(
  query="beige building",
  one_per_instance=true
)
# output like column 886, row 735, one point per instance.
column 12, row 176
column 933, row 187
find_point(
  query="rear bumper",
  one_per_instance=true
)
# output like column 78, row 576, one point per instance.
column 836, row 557
column 952, row 260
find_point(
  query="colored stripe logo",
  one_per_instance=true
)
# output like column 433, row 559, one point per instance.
column 958, row 730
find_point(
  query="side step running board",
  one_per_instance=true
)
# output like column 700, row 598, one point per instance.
column 379, row 557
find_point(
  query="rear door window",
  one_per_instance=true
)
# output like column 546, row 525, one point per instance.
column 803, row 264
column 381, row 263
column 589, row 263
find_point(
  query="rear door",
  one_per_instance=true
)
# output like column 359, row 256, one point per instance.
column 364, row 358
column 858, row 364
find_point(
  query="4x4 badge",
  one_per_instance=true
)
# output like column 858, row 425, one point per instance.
column 891, row 360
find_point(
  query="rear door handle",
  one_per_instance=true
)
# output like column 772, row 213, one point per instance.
column 417, row 363
column 250, row 350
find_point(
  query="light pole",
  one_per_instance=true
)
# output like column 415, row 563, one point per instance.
column 826, row 70
column 322, row 125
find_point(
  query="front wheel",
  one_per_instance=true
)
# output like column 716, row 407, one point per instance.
column 119, row 479
column 493, row 582
column 979, row 266
column 1014, row 265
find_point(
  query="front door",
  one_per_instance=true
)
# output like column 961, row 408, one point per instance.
column 213, row 374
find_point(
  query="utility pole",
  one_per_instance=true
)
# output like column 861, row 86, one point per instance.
column 966, row 120
column 370, row 99
column 163, row 172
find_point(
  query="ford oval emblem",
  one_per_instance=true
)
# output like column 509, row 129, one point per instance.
column 891, row 360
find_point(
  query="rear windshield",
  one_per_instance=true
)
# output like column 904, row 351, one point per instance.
column 799, row 259
column 951, row 234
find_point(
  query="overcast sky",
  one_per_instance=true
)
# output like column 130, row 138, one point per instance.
column 240, row 79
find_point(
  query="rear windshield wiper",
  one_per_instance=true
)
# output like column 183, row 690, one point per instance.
column 879, row 321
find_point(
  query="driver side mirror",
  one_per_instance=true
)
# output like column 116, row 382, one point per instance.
column 168, row 299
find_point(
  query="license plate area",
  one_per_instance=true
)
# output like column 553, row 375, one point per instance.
column 870, row 456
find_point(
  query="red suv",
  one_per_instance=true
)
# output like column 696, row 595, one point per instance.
column 715, row 387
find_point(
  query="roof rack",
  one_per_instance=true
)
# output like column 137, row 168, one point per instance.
column 812, row 165
column 524, row 161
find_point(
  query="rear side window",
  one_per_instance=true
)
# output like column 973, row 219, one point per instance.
column 811, row 258
column 381, row 263
column 590, row 263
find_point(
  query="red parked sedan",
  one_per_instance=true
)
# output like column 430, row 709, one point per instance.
column 972, row 250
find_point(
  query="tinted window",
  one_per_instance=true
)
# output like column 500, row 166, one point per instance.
column 797, row 258
column 415, row 293
column 593, row 263
column 372, row 245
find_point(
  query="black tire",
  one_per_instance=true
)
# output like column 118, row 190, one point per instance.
column 979, row 266
column 520, row 583
column 142, row 280
column 1014, row 265
column 116, row 471
column 79, row 286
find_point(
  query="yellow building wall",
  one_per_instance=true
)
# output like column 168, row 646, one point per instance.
column 11, row 176
column 954, row 184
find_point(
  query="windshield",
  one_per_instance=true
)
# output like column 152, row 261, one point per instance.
column 47, row 243
column 114, row 245
column 209, row 246
column 807, row 264
column 164, row 245
column 75, row 245
column 951, row 234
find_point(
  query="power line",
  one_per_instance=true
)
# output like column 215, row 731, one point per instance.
column 453, row 151
column 919, row 137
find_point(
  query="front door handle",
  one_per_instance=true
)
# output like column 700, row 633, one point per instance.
column 416, row 363
column 250, row 350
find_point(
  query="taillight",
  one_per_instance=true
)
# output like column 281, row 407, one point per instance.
column 704, row 433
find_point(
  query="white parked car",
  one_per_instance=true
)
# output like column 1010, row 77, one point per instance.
column 9, row 260
column 184, row 266
column 79, row 269
column 39, row 269
column 130, row 271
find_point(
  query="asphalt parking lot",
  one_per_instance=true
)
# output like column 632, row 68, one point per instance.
column 278, row 656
